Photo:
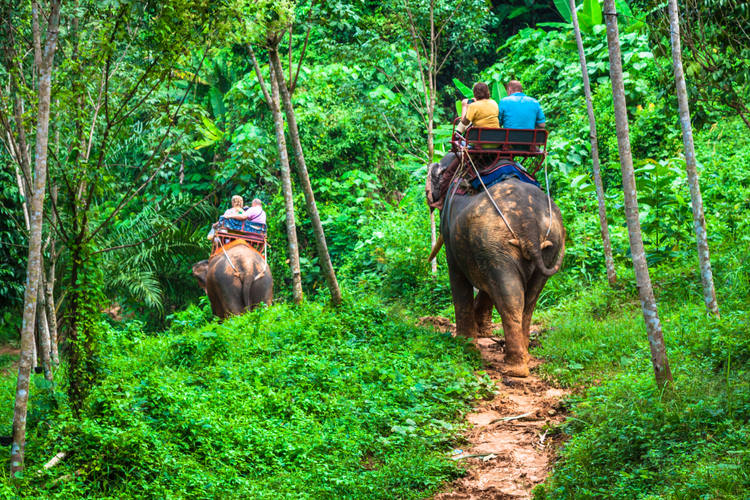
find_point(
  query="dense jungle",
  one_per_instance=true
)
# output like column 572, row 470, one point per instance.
column 127, row 126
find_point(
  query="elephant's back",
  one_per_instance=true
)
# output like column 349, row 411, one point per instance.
column 238, row 259
column 473, row 220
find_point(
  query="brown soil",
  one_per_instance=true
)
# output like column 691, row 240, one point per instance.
column 509, row 449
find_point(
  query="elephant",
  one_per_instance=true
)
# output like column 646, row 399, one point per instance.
column 236, row 279
column 507, row 268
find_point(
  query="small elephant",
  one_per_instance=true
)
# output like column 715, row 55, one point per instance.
column 509, row 269
column 235, row 279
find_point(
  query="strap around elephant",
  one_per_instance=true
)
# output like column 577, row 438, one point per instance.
column 492, row 200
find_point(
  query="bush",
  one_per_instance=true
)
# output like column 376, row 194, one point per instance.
column 281, row 402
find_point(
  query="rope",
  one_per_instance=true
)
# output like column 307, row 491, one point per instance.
column 549, row 198
column 492, row 200
column 452, row 188
column 221, row 243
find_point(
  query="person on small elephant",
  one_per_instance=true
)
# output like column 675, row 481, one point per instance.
column 480, row 112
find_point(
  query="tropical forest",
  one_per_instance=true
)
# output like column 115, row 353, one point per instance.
column 357, row 249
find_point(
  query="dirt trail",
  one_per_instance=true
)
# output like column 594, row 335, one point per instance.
column 509, row 450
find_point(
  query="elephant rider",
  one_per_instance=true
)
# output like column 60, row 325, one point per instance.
column 256, row 213
column 481, row 112
column 236, row 212
column 518, row 110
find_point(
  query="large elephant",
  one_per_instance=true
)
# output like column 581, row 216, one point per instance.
column 508, row 268
column 235, row 279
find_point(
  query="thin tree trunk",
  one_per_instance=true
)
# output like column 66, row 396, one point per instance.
column 43, row 328
column 431, row 122
column 286, row 177
column 25, row 203
column 35, row 241
column 699, row 220
column 433, row 241
column 51, row 312
column 643, row 280
column 312, row 210
column 286, row 183
column 49, row 283
column 34, row 351
column 608, row 260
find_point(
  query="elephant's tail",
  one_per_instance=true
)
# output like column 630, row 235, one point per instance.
column 536, row 256
column 436, row 248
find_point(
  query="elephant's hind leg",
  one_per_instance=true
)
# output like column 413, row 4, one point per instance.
column 510, row 304
column 483, row 314
column 463, row 302
column 533, row 290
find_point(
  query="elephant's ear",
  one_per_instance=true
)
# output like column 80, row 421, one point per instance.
column 199, row 271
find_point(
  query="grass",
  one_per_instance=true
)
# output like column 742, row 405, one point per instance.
column 629, row 439
column 284, row 402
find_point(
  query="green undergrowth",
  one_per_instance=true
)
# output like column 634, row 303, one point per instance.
column 628, row 438
column 283, row 402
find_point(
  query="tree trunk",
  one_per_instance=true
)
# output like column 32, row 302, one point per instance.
column 431, row 122
column 286, row 176
column 699, row 220
column 43, row 328
column 35, row 242
column 608, row 260
column 286, row 185
column 645, row 290
column 433, row 241
column 312, row 210
column 49, row 286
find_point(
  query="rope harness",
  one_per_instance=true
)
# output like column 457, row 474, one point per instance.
column 465, row 154
column 221, row 243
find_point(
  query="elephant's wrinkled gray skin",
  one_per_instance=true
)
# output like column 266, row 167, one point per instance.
column 233, row 291
column 508, row 272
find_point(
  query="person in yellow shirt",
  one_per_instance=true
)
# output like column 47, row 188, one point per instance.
column 482, row 112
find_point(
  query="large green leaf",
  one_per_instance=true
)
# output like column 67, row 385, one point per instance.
column 518, row 11
column 563, row 7
column 624, row 9
column 593, row 11
column 466, row 91
column 498, row 91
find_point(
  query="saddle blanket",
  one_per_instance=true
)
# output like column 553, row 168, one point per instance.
column 500, row 172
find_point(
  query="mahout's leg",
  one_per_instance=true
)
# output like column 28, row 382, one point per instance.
column 463, row 301
column 483, row 314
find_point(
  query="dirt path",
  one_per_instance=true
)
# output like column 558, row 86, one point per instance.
column 509, row 450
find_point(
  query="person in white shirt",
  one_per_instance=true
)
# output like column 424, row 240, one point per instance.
column 236, row 211
column 256, row 213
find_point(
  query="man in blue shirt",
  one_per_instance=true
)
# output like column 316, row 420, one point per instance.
column 519, row 110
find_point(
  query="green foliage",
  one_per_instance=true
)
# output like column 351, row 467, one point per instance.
column 282, row 402
column 628, row 438
column 12, row 258
column 391, row 253
column 292, row 401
